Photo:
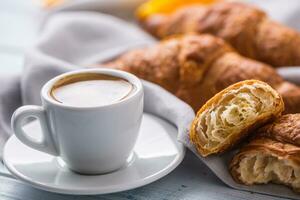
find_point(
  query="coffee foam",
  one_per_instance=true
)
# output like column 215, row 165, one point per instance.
column 91, row 89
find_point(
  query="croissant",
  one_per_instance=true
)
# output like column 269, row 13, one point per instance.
column 196, row 67
column 231, row 115
column 284, row 129
column 273, row 157
column 247, row 28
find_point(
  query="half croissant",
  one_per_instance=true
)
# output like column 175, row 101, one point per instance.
column 232, row 113
column 265, row 160
column 272, row 156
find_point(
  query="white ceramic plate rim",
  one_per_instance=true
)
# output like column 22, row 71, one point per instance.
column 103, row 190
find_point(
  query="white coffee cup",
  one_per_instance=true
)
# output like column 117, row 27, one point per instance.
column 90, row 140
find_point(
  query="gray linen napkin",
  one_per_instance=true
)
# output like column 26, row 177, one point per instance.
column 77, row 39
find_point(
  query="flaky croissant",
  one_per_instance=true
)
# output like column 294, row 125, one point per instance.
column 284, row 129
column 271, row 157
column 232, row 114
column 247, row 28
column 196, row 67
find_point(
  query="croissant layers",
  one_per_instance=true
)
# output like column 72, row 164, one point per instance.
column 273, row 156
column 196, row 67
column 232, row 114
column 247, row 28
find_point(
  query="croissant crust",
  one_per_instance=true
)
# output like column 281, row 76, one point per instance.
column 272, row 156
column 232, row 114
column 196, row 67
column 266, row 160
column 285, row 129
column 247, row 28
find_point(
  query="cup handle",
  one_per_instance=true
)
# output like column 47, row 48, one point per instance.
column 47, row 144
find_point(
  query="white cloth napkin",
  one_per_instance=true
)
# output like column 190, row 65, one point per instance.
column 72, row 40
column 121, row 8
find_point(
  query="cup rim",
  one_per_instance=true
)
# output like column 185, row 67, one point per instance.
column 45, row 92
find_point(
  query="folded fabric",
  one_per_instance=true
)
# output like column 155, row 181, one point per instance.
column 121, row 8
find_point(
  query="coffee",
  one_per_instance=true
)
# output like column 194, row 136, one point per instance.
column 88, row 90
column 84, row 137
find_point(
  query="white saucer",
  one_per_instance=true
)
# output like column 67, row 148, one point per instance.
column 156, row 154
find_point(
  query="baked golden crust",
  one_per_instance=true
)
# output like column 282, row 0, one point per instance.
column 266, row 160
column 232, row 114
column 178, row 64
column 245, row 27
column 285, row 129
column 196, row 67
column 272, row 156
